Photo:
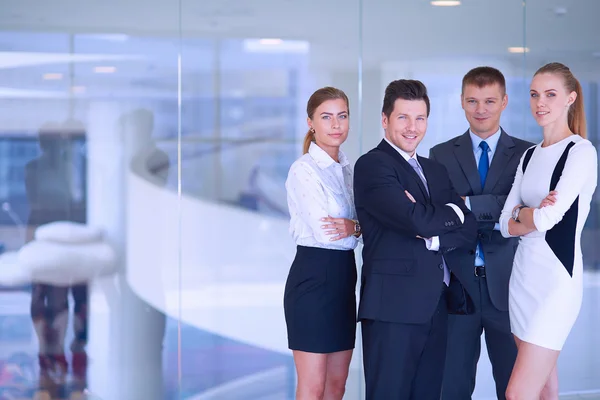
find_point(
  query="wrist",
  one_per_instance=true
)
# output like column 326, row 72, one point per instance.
column 517, row 213
column 357, row 229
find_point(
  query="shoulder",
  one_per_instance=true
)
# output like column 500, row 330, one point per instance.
column 373, row 156
column 584, row 150
column 432, row 165
column 444, row 145
column 305, row 164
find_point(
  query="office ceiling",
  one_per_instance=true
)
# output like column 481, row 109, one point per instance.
column 141, row 37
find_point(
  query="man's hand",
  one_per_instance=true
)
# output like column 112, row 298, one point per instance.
column 549, row 200
column 464, row 198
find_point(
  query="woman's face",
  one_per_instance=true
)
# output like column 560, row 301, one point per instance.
column 549, row 99
column 330, row 123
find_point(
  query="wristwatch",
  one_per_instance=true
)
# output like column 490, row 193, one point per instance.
column 516, row 213
column 356, row 228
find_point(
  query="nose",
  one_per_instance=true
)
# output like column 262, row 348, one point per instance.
column 335, row 123
column 480, row 109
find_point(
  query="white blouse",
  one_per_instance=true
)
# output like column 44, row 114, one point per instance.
column 318, row 187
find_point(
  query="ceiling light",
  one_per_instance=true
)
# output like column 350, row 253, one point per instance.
column 445, row 3
column 270, row 42
column 105, row 70
column 276, row 46
column 52, row 76
column 518, row 50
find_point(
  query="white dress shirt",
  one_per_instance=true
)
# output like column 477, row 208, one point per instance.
column 318, row 187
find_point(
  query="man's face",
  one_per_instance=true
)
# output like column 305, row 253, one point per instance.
column 406, row 125
column 483, row 107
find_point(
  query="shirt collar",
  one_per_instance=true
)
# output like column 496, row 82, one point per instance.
column 492, row 141
column 323, row 159
column 404, row 154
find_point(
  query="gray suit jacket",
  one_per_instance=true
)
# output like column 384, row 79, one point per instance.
column 486, row 203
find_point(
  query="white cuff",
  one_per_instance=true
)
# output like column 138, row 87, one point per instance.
column 468, row 202
column 433, row 244
column 458, row 211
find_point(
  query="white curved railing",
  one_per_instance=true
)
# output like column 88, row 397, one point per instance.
column 217, row 267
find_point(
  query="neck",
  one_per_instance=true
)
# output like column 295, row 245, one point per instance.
column 554, row 133
column 487, row 134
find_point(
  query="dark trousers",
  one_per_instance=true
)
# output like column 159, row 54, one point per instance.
column 405, row 361
column 49, row 311
column 464, row 347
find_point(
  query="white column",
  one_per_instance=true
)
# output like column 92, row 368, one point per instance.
column 125, row 335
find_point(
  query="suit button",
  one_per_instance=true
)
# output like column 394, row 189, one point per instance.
column 471, row 252
column 441, row 266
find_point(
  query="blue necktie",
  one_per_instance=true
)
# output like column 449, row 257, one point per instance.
column 483, row 167
column 484, row 163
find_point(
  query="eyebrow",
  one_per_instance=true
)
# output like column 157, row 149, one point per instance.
column 549, row 90
column 328, row 113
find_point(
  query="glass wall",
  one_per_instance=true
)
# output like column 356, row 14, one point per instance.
column 144, row 149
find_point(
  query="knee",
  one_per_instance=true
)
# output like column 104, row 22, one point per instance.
column 336, row 387
column 311, row 390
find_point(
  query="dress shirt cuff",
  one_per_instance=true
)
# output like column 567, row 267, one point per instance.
column 433, row 244
column 497, row 226
column 468, row 202
column 458, row 211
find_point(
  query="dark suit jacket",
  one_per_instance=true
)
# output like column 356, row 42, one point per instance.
column 486, row 203
column 401, row 280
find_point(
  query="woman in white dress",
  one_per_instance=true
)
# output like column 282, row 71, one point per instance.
column 547, row 207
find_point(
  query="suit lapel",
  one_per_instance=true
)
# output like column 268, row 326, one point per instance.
column 463, row 150
column 502, row 156
column 385, row 147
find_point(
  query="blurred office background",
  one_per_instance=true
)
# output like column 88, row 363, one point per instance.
column 170, row 127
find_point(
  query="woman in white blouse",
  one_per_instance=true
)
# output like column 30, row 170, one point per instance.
column 319, row 300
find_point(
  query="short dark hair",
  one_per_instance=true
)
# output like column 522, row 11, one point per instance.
column 484, row 76
column 406, row 89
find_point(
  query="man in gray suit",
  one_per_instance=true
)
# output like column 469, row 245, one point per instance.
column 482, row 164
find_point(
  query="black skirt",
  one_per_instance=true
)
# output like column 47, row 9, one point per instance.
column 320, row 301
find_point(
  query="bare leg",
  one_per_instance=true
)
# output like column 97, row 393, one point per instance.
column 312, row 373
column 337, row 374
column 531, row 372
column 550, row 391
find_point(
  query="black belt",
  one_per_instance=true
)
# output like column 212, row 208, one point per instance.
column 480, row 272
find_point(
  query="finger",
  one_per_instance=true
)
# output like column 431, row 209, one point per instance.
column 329, row 226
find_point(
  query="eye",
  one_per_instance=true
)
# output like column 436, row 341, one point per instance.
column 421, row 119
column 343, row 116
column 325, row 116
column 471, row 101
column 551, row 95
column 533, row 94
column 490, row 101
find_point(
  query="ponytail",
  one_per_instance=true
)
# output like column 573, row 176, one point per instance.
column 577, row 123
column 308, row 139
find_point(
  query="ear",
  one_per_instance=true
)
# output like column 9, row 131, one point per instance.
column 384, row 120
column 462, row 101
column 504, row 101
column 572, row 97
column 309, row 123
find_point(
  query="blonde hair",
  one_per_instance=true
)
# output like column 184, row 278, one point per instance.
column 576, row 118
column 315, row 100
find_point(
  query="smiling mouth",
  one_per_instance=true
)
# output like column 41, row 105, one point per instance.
column 410, row 137
column 542, row 113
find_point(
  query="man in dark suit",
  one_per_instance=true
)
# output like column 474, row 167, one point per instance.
column 411, row 217
column 482, row 163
